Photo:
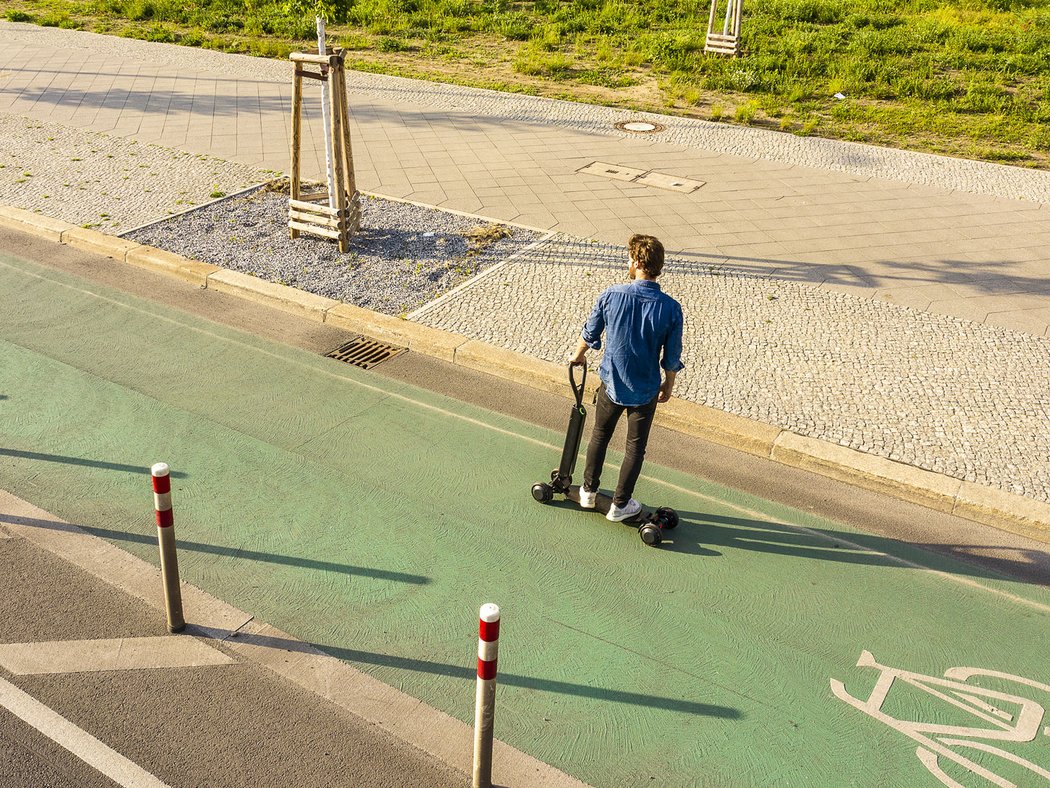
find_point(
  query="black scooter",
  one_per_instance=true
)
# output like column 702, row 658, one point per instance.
column 651, row 525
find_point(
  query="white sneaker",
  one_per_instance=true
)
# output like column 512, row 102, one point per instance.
column 587, row 499
column 620, row 513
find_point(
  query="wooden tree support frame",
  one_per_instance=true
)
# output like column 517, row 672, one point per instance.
column 317, row 214
column 726, row 42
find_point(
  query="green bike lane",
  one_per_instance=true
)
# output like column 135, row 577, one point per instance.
column 372, row 519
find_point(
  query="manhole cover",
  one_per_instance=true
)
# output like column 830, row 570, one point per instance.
column 639, row 126
column 365, row 353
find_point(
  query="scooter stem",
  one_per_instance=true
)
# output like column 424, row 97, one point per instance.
column 577, row 388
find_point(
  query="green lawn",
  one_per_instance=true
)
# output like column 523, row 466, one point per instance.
column 963, row 78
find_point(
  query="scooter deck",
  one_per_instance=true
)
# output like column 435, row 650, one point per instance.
column 603, row 502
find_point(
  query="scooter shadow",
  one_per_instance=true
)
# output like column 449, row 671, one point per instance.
column 683, row 539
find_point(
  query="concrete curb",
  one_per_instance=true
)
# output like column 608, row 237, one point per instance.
column 424, row 727
column 33, row 223
column 987, row 505
column 279, row 296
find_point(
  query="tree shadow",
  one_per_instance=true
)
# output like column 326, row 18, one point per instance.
column 84, row 462
column 225, row 552
column 469, row 674
column 166, row 103
column 987, row 278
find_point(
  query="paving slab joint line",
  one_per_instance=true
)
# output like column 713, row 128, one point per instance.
column 987, row 505
column 408, row 719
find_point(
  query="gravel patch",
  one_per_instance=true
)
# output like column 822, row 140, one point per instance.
column 966, row 400
column 403, row 257
column 864, row 161
column 109, row 183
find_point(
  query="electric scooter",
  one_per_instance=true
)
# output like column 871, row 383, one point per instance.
column 651, row 524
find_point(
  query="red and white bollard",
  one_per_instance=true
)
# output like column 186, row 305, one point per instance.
column 485, row 701
column 169, row 563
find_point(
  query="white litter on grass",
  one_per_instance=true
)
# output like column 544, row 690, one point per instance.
column 840, row 96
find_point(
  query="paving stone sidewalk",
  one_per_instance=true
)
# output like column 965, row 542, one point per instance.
column 109, row 183
column 943, row 235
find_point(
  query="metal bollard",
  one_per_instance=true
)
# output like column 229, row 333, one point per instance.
column 485, row 700
column 169, row 563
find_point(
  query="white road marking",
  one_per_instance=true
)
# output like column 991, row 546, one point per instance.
column 540, row 443
column 937, row 739
column 79, row 742
column 83, row 656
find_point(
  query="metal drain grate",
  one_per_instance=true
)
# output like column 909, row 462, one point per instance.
column 364, row 352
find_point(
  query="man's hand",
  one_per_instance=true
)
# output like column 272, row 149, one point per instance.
column 579, row 357
column 666, row 388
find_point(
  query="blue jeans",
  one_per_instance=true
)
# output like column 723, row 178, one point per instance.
column 639, row 422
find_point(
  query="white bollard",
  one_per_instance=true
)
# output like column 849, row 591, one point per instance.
column 485, row 700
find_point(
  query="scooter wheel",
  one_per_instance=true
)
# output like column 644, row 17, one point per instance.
column 650, row 534
column 542, row 492
column 668, row 516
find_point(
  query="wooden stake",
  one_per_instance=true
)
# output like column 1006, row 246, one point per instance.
column 354, row 223
column 297, row 133
column 336, row 128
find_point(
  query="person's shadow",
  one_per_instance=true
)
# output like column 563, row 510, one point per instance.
column 708, row 535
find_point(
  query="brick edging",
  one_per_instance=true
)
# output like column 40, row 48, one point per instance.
column 988, row 505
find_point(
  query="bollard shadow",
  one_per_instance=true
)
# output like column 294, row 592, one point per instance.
column 226, row 552
column 682, row 705
column 82, row 461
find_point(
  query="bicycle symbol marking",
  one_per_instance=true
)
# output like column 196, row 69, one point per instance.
column 939, row 741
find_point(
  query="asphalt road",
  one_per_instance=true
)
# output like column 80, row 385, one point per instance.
column 232, row 724
column 370, row 513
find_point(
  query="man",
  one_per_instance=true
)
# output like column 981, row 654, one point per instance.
column 643, row 334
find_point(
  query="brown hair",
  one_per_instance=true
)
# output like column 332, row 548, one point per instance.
column 647, row 253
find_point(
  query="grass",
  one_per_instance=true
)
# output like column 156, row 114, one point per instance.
column 962, row 77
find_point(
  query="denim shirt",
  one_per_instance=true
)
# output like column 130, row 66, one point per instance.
column 643, row 332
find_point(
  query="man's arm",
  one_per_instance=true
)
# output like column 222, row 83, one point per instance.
column 672, row 360
column 667, row 387
column 592, row 333
column 580, row 356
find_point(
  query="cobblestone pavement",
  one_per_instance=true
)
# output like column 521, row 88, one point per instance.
column 944, row 235
column 934, row 391
column 109, row 183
